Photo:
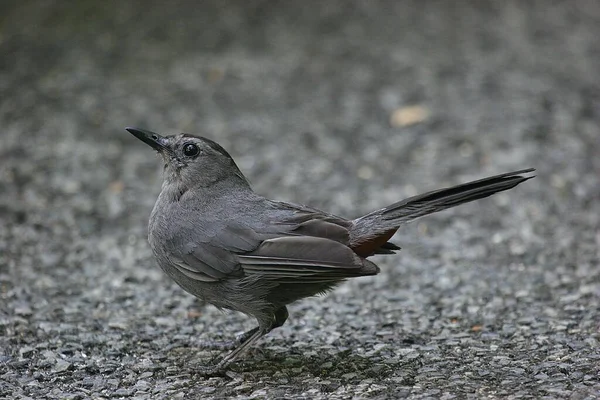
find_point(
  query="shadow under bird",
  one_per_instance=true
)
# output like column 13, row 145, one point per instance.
column 237, row 250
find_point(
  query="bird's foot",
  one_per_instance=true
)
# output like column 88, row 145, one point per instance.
column 227, row 344
column 244, row 341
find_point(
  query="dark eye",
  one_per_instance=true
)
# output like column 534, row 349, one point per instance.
column 190, row 149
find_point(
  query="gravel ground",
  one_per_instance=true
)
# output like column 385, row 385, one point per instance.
column 343, row 106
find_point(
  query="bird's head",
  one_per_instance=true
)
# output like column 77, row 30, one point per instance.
column 191, row 161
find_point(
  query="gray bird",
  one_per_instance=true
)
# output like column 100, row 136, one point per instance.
column 235, row 249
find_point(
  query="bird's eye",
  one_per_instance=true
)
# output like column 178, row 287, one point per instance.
column 190, row 150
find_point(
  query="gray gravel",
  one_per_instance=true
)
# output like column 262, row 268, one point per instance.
column 344, row 106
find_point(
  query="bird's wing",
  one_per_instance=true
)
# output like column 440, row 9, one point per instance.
column 303, row 259
column 312, row 222
column 212, row 255
column 288, row 241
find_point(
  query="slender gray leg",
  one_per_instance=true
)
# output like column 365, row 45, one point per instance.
column 247, row 339
column 220, row 366
column 281, row 315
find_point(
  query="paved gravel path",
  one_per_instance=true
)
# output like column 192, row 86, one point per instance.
column 340, row 105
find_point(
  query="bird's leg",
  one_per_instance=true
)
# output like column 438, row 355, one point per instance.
column 281, row 315
column 257, row 333
column 250, row 337
column 227, row 344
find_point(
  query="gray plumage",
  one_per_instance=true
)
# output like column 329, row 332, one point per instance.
column 227, row 245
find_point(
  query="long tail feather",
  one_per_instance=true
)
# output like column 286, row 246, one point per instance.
column 438, row 200
column 385, row 221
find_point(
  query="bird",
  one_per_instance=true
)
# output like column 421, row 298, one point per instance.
column 237, row 250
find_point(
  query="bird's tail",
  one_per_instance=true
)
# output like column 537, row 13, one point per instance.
column 385, row 221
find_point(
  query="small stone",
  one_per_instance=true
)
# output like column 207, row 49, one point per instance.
column 61, row 366
column 408, row 116
column 26, row 351
column 146, row 375
column 23, row 310
column 122, row 392
column 118, row 325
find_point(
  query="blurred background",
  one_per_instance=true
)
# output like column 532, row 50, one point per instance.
column 344, row 105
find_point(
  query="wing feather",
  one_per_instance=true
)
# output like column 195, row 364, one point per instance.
column 290, row 244
column 304, row 257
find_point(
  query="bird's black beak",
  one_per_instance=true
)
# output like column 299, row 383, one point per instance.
column 152, row 139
